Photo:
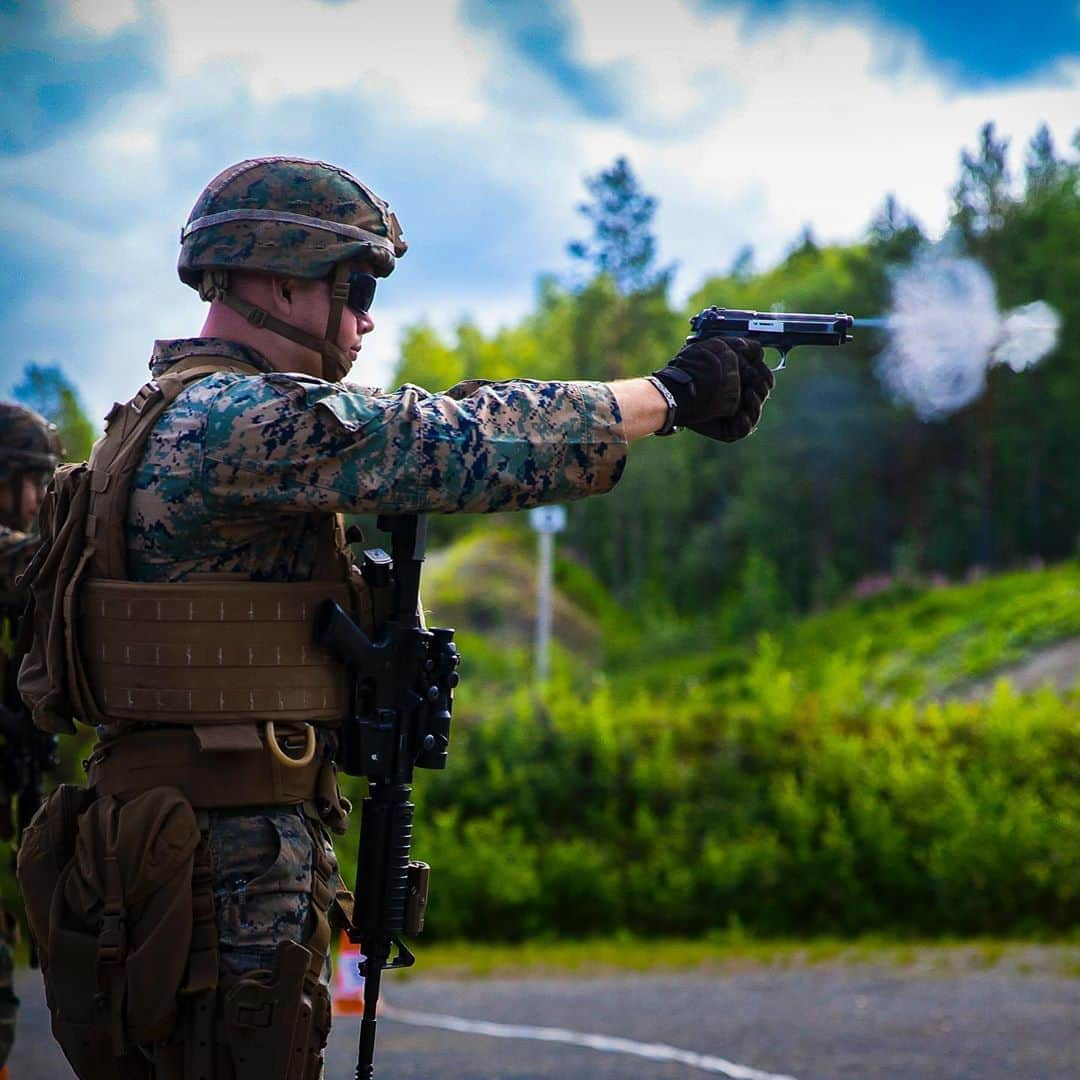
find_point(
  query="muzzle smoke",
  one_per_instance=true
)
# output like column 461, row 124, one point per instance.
column 945, row 332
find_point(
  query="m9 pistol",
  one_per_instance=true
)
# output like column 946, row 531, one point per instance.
column 780, row 330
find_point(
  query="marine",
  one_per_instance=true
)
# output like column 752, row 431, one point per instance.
column 29, row 451
column 197, row 541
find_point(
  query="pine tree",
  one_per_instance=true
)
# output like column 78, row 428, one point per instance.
column 622, row 244
column 981, row 196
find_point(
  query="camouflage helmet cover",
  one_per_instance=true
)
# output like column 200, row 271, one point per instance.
column 290, row 216
column 28, row 442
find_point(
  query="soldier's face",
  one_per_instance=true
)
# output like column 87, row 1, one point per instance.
column 310, row 309
column 32, row 490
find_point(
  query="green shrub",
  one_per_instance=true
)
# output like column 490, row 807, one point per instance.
column 787, row 808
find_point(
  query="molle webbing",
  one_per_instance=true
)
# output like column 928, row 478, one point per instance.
column 209, row 652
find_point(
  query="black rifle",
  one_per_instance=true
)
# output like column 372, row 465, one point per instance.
column 780, row 330
column 402, row 696
column 27, row 752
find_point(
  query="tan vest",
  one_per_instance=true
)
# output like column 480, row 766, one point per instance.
column 215, row 655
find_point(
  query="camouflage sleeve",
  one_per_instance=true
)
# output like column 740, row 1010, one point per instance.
column 304, row 444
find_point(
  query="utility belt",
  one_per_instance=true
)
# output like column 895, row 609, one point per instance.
column 228, row 765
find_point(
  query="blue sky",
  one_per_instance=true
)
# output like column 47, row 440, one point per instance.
column 478, row 120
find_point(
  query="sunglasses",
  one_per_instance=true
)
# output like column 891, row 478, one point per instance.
column 361, row 291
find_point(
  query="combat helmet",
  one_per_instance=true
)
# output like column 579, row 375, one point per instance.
column 293, row 217
column 28, row 444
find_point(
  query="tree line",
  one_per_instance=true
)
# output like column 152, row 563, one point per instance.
column 841, row 482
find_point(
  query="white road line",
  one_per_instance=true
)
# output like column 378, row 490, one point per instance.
column 606, row 1043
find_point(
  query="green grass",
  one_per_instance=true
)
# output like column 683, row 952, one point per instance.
column 908, row 643
column 934, row 639
column 627, row 955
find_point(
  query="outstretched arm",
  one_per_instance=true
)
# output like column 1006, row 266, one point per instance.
column 642, row 406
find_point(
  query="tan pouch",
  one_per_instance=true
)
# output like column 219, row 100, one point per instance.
column 120, row 927
column 47, row 846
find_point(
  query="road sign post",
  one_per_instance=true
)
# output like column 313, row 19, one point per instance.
column 546, row 521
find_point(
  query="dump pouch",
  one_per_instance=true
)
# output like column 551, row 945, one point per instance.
column 120, row 927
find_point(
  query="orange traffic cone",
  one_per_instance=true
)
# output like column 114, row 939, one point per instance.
column 4, row 1075
column 348, row 999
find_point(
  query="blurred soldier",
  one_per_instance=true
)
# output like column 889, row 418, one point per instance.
column 213, row 530
column 29, row 451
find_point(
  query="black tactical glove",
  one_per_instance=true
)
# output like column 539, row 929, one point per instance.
column 719, row 387
column 756, row 380
column 703, row 381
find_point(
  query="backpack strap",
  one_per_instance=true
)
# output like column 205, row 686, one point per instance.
column 117, row 453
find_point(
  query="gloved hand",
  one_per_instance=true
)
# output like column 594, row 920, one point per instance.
column 703, row 378
column 719, row 387
column 756, row 380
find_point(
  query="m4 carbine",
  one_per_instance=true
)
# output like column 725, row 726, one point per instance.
column 402, row 697
column 780, row 330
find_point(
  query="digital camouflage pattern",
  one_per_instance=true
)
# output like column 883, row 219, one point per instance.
column 234, row 478
column 262, row 884
column 236, row 468
column 287, row 186
column 16, row 551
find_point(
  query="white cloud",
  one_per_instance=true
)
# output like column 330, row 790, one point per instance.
column 814, row 123
column 411, row 51
column 744, row 138
column 102, row 16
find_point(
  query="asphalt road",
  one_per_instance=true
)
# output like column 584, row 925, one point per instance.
column 812, row 1023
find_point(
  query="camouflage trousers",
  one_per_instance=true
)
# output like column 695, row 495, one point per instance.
column 9, row 1003
column 263, row 874
column 262, row 864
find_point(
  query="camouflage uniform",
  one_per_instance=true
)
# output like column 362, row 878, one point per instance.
column 16, row 550
column 241, row 470
column 234, row 478
column 27, row 443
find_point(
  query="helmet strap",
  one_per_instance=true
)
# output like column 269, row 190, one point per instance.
column 336, row 362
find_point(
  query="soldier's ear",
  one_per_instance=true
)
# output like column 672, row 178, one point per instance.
column 283, row 290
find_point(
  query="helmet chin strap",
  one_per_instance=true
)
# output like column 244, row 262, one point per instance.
column 336, row 362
